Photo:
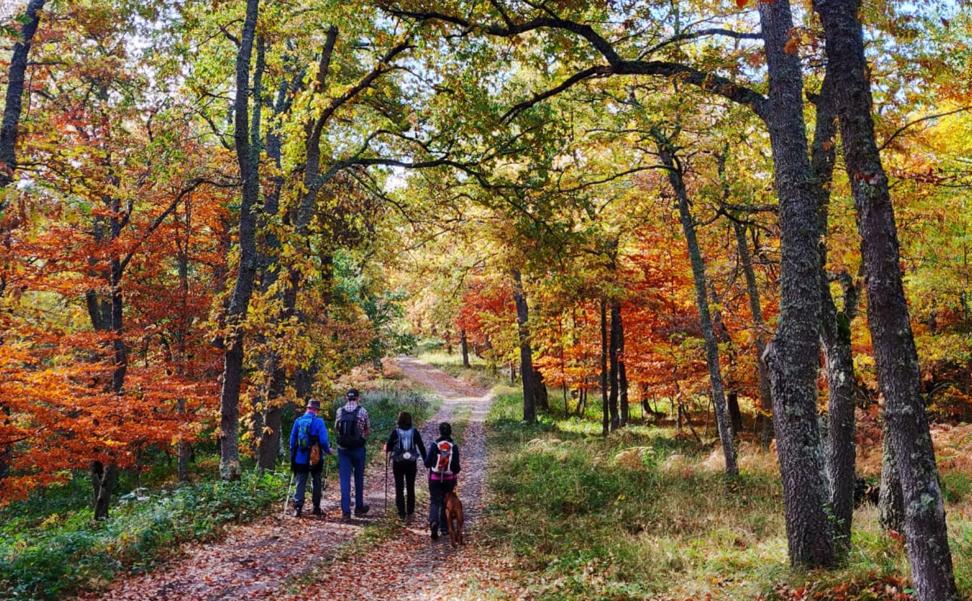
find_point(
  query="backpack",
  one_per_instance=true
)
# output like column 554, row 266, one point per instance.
column 405, row 447
column 303, row 433
column 349, row 431
column 443, row 461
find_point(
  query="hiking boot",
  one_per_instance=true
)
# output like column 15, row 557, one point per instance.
column 297, row 511
column 359, row 511
column 346, row 517
column 317, row 511
column 435, row 531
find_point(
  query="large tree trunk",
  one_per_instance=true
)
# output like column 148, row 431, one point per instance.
column 674, row 169
column 605, row 403
column 13, row 103
column 526, row 352
column 247, row 138
column 764, row 420
column 894, row 346
column 890, row 501
column 793, row 354
column 613, row 344
column 835, row 332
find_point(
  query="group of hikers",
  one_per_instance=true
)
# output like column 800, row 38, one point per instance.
column 309, row 443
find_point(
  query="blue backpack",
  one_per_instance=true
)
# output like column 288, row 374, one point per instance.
column 304, row 424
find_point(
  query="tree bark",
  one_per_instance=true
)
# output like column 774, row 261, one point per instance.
column 890, row 501
column 247, row 141
column 835, row 333
column 613, row 343
column 674, row 169
column 764, row 420
column 13, row 103
column 103, row 481
column 622, row 372
column 894, row 347
column 792, row 356
column 605, row 405
column 464, row 344
column 526, row 352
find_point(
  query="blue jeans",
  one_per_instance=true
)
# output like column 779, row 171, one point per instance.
column 351, row 460
column 302, row 489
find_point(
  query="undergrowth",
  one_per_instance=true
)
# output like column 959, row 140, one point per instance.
column 642, row 515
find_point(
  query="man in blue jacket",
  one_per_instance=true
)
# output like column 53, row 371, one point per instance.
column 308, row 437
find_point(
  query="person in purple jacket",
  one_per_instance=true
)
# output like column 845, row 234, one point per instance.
column 442, row 459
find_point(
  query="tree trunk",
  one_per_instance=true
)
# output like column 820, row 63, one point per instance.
column 835, row 333
column 247, row 139
column 182, row 447
column 622, row 373
column 13, row 103
column 268, row 435
column 890, row 501
column 894, row 346
column 605, row 406
column 764, row 419
column 735, row 415
column 464, row 343
column 792, row 357
column 613, row 343
column 103, row 481
column 526, row 353
column 674, row 169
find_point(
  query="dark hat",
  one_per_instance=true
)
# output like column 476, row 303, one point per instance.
column 313, row 404
column 353, row 393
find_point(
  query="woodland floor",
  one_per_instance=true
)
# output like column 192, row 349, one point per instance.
column 284, row 557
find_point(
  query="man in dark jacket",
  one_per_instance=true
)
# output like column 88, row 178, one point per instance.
column 309, row 431
column 442, row 459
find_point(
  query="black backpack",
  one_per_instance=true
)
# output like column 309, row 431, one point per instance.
column 405, row 449
column 349, row 431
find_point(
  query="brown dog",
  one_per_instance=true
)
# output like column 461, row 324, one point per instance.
column 453, row 511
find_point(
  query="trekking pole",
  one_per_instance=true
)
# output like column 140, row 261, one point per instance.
column 287, row 495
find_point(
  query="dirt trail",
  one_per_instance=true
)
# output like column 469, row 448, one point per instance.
column 265, row 558
column 412, row 562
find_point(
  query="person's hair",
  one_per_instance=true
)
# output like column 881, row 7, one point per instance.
column 353, row 393
column 404, row 420
column 445, row 429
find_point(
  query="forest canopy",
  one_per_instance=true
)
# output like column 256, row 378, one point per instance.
column 747, row 222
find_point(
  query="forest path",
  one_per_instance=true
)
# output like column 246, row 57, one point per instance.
column 410, row 564
column 272, row 556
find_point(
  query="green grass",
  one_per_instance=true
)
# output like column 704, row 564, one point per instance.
column 641, row 515
column 50, row 546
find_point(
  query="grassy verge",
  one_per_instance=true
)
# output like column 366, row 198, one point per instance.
column 51, row 547
column 639, row 515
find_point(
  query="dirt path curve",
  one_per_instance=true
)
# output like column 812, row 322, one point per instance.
column 411, row 563
column 262, row 559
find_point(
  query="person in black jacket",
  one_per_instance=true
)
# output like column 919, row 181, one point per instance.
column 442, row 459
column 406, row 447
